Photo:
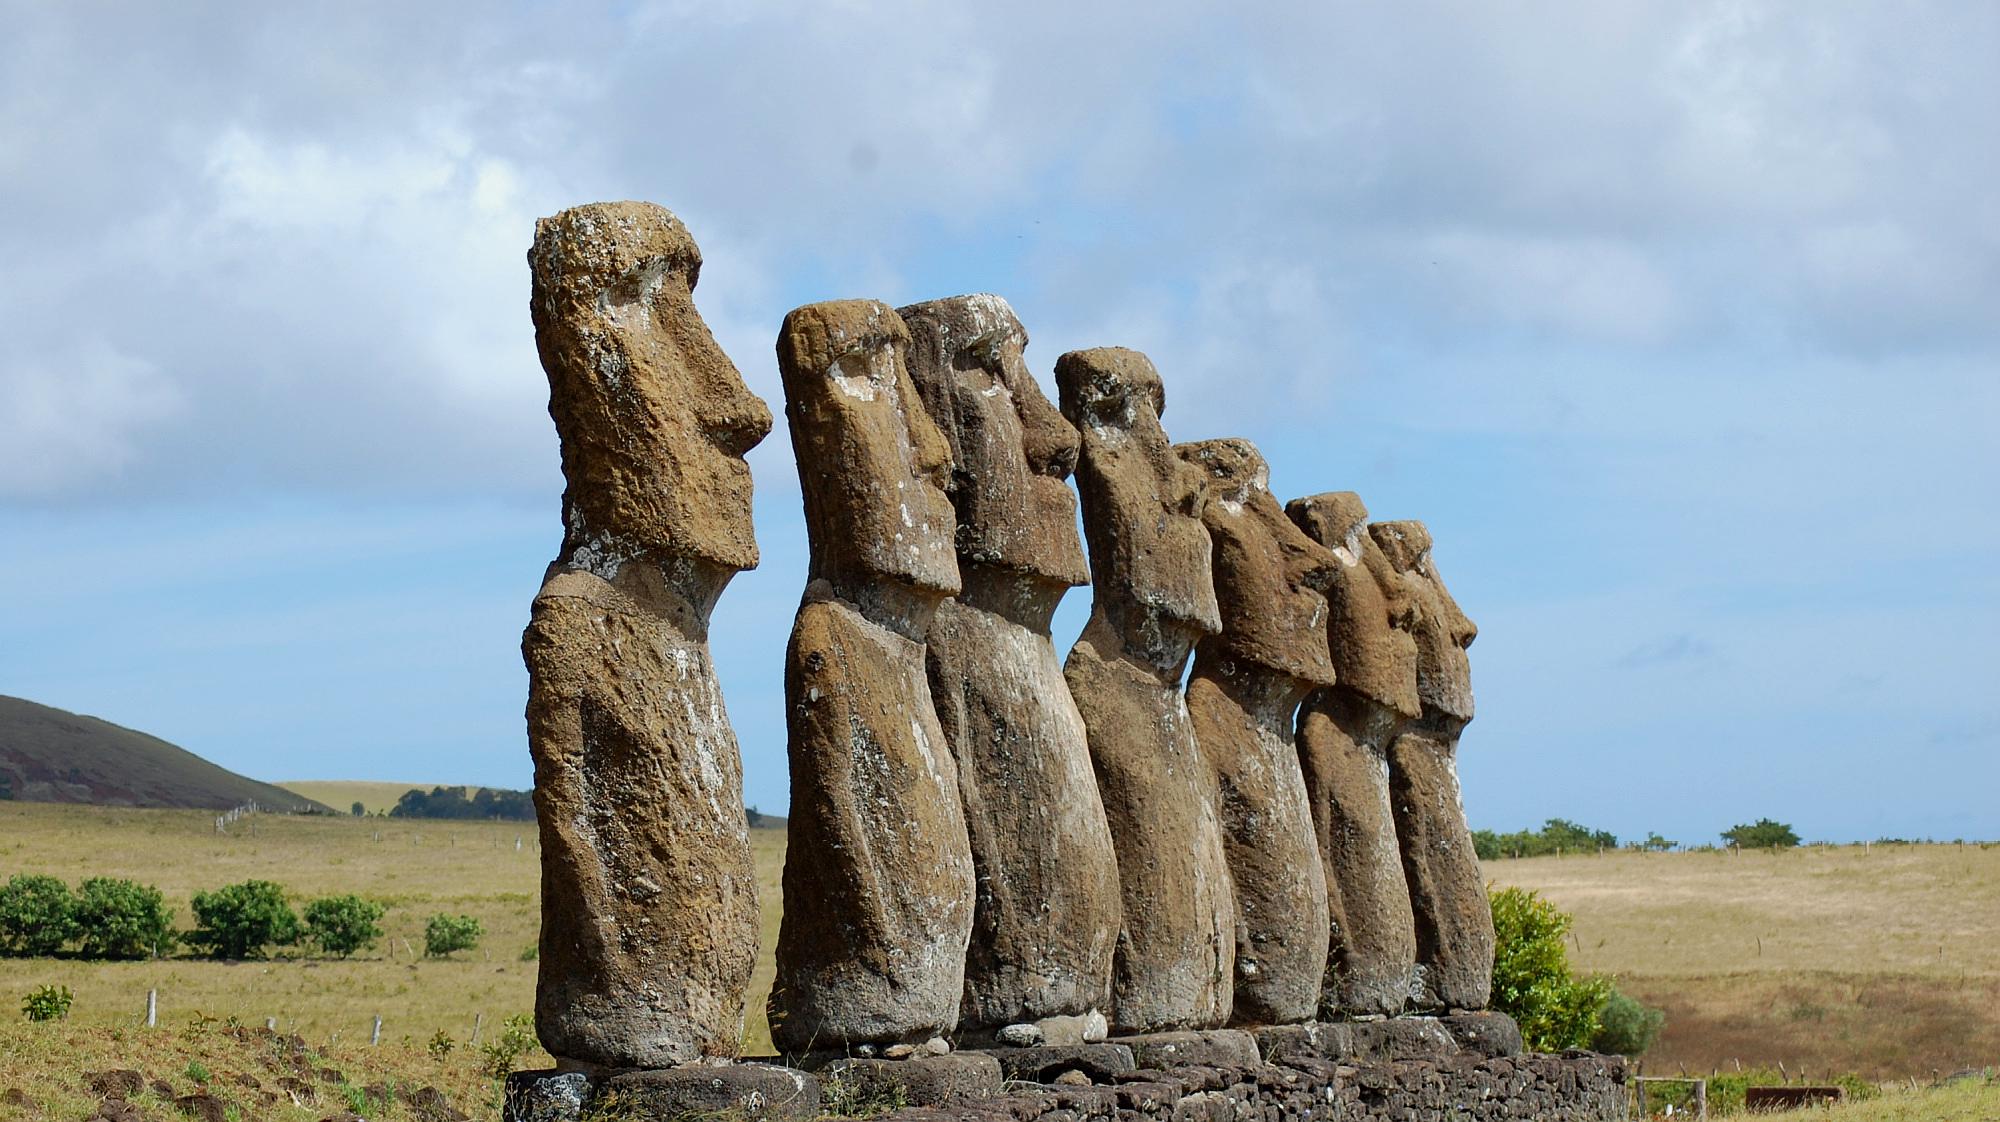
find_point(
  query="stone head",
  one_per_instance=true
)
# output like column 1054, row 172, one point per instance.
column 1141, row 504
column 654, row 418
column 1442, row 632
column 1011, row 451
column 1269, row 576
column 872, row 464
column 1370, row 613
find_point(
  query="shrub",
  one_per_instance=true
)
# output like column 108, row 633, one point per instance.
column 342, row 925
column 37, row 915
column 123, row 919
column 445, row 934
column 1626, row 1026
column 241, row 920
column 502, row 1054
column 1531, row 978
column 49, row 1003
column 1761, row 834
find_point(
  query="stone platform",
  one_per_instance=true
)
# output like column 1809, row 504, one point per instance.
column 1407, row 1069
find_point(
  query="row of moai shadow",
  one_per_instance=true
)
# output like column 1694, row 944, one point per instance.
column 986, row 845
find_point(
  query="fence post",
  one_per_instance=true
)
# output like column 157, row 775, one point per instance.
column 152, row 1008
column 477, row 1020
column 375, row 1038
column 1701, row 1099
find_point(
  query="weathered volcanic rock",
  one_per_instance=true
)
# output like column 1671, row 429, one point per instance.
column 878, row 873
column 1045, row 922
column 1343, row 740
column 649, row 906
column 1246, row 687
column 1440, row 631
column 1453, row 923
column 1149, row 559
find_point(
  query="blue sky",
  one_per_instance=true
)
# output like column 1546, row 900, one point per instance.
column 1679, row 323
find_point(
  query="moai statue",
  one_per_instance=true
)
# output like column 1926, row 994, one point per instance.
column 649, row 906
column 1344, row 733
column 878, row 873
column 1453, row 923
column 1045, row 922
column 1149, row 561
column 1243, row 696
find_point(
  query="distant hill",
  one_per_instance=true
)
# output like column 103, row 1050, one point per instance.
column 51, row 755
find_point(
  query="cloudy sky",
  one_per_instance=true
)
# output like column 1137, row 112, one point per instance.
column 1679, row 323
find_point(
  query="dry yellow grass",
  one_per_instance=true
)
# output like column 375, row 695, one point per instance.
column 1962, row 1100
column 1877, row 960
column 45, row 1073
column 418, row 867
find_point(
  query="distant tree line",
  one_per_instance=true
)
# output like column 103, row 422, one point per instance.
column 457, row 802
column 1559, row 835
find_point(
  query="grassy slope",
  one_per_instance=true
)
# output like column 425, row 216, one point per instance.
column 60, row 756
column 1879, row 960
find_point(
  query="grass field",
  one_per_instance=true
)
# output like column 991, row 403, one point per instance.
column 1881, row 960
column 342, row 794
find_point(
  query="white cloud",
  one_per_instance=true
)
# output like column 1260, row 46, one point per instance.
column 73, row 419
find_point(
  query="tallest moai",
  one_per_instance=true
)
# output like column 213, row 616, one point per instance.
column 649, row 907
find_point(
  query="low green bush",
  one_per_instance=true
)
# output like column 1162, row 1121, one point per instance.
column 37, row 915
column 444, row 935
column 123, row 919
column 341, row 925
column 1626, row 1026
column 241, row 920
column 1532, row 982
column 503, row 1054
column 49, row 1003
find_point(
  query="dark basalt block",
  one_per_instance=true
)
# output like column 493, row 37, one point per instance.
column 752, row 1092
column 1209, row 1048
column 926, row 1081
column 1042, row 1064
